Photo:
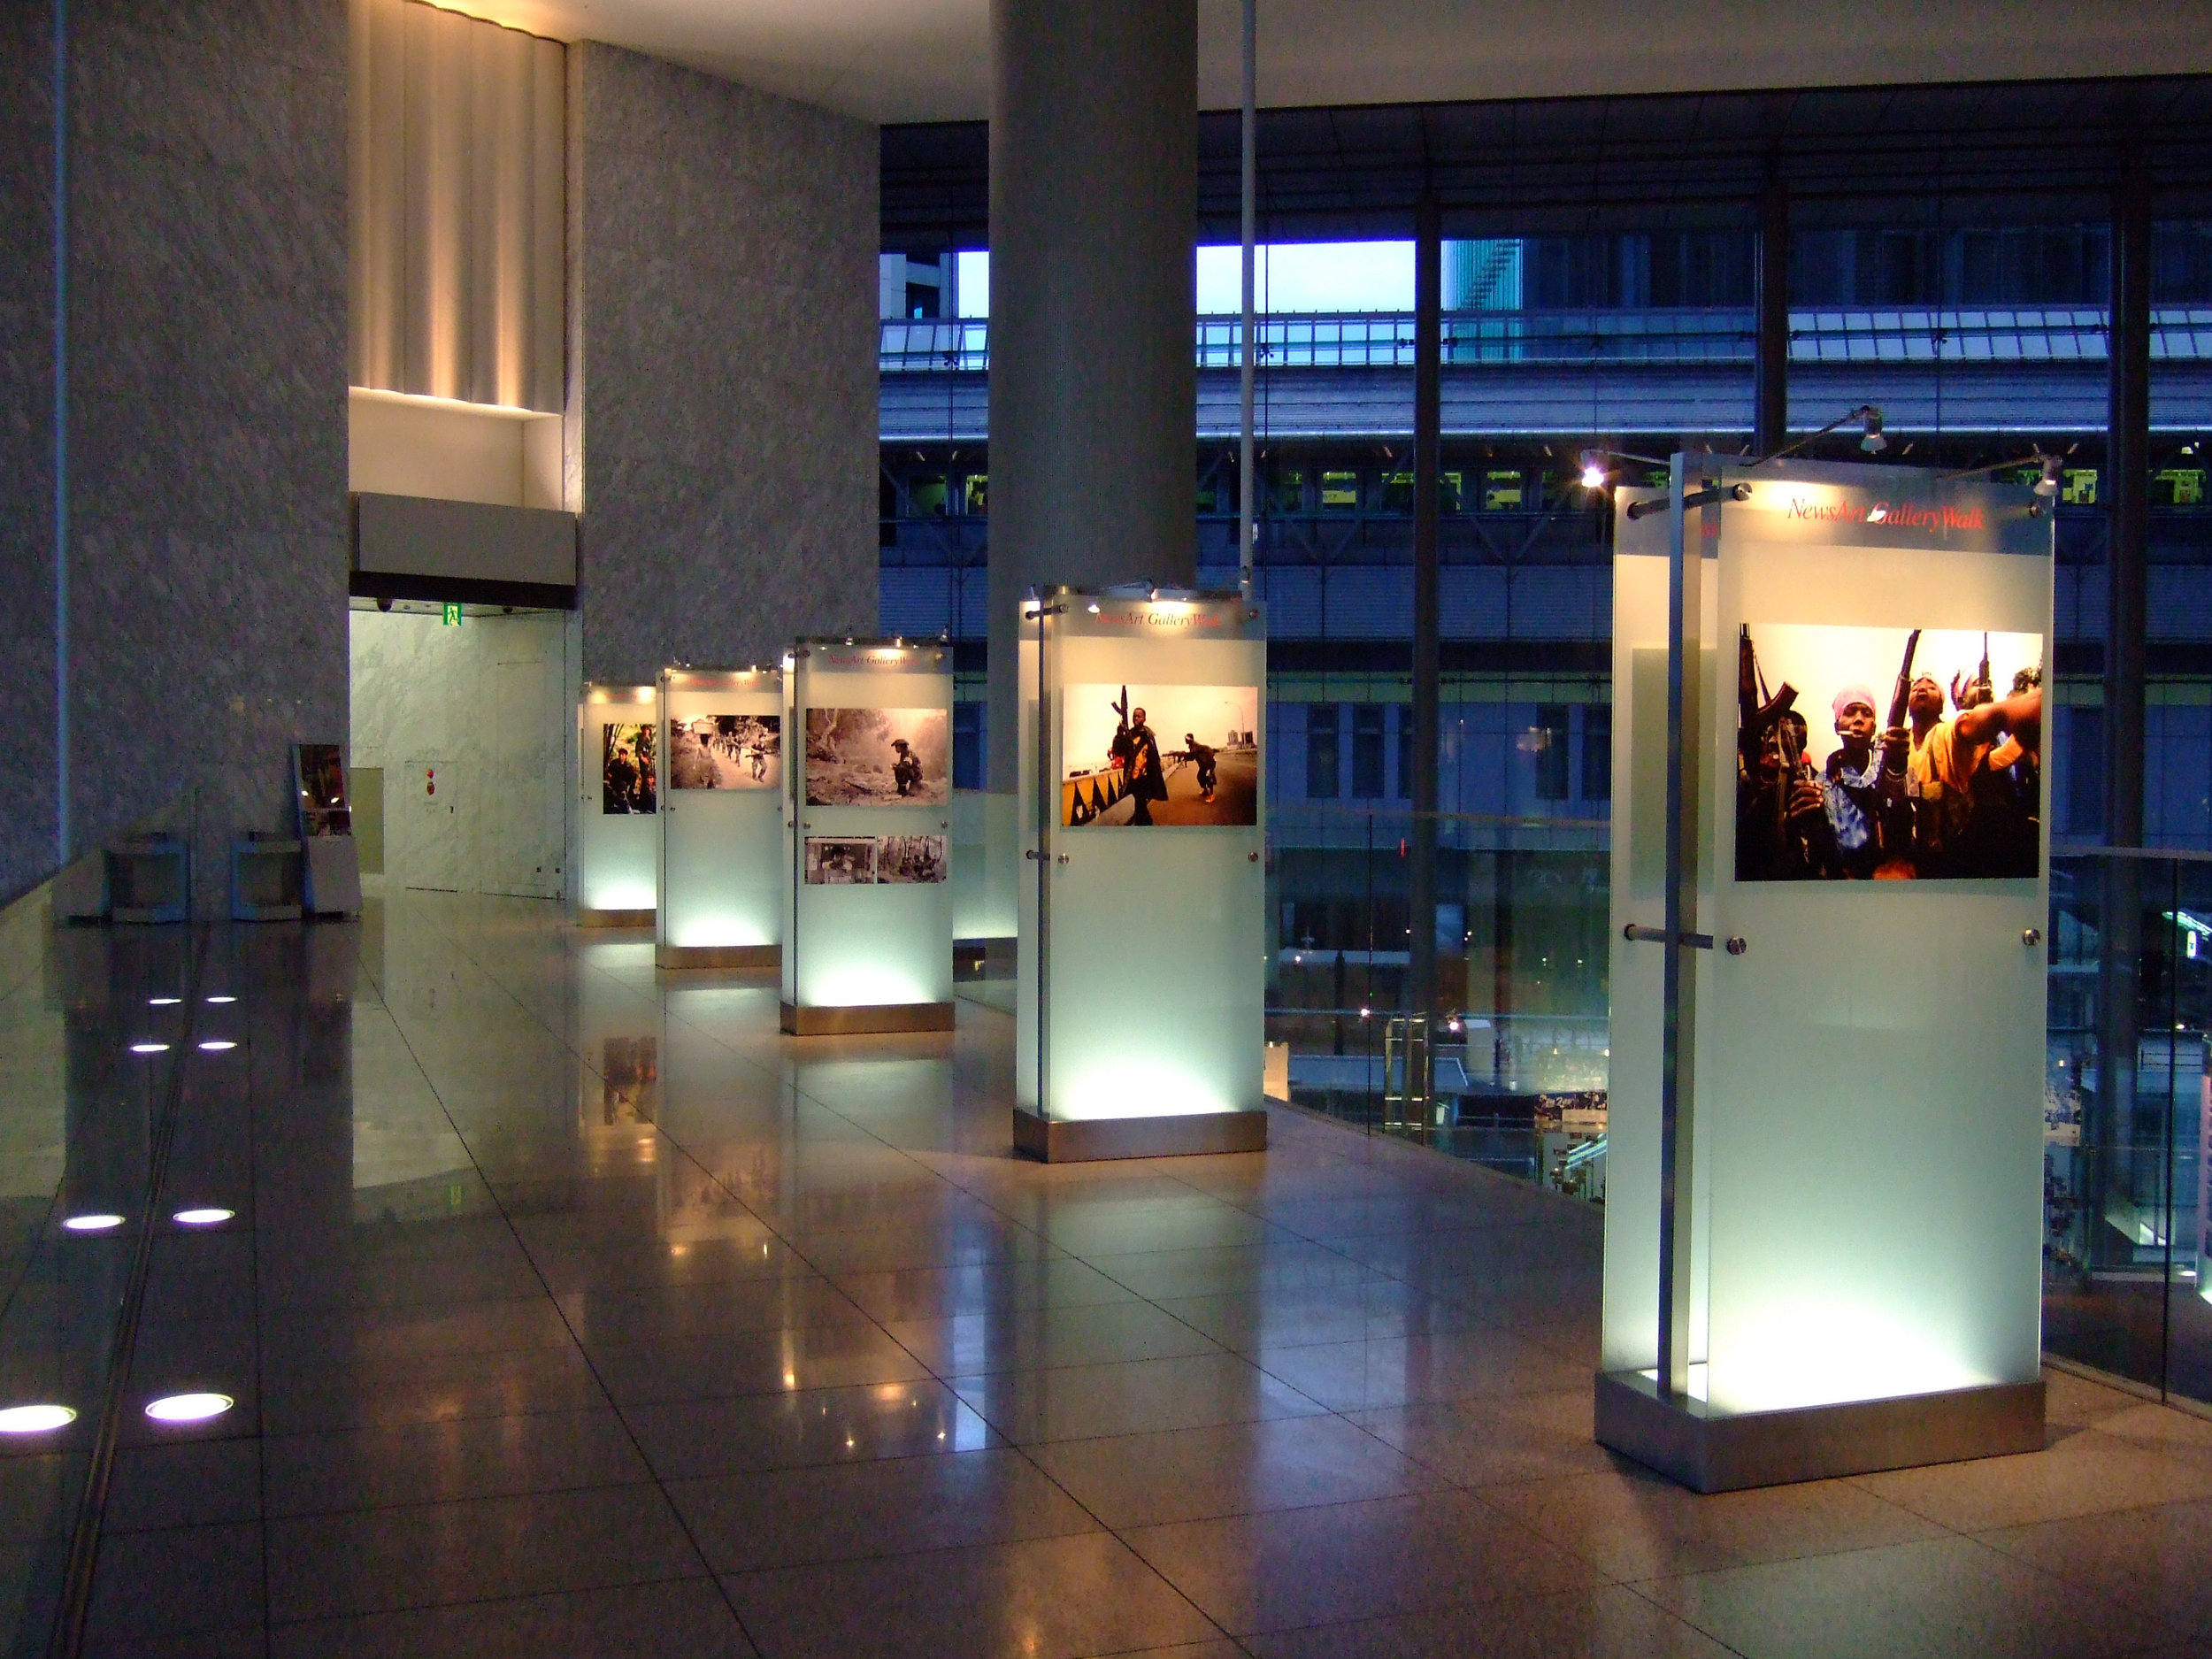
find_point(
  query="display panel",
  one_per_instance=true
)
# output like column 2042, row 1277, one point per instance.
column 841, row 861
column 725, row 751
column 1887, row 753
column 878, row 757
column 629, row 779
column 320, row 774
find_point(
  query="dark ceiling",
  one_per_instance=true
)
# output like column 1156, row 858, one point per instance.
column 2024, row 153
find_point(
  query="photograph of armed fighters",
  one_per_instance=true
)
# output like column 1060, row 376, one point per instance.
column 1887, row 753
column 878, row 757
column 905, row 859
column 841, row 861
column 628, row 780
column 725, row 751
column 1141, row 756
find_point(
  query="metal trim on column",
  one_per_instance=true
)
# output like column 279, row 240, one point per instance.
column 1678, row 994
column 1428, row 286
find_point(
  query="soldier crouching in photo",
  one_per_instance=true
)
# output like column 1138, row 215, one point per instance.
column 1201, row 757
column 906, row 770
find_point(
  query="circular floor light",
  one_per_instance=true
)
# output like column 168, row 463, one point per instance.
column 216, row 1045
column 189, row 1407
column 98, row 1221
column 39, row 1419
column 149, row 1048
column 204, row 1218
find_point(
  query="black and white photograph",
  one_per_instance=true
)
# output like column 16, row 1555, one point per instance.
column 1178, row 756
column 725, row 751
column 628, row 780
column 878, row 757
column 841, row 861
column 906, row 859
column 1887, row 753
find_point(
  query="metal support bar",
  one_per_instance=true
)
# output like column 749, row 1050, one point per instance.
column 1677, row 1075
column 1248, row 346
column 1770, row 398
column 1428, row 293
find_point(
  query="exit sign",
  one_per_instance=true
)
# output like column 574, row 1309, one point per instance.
column 452, row 615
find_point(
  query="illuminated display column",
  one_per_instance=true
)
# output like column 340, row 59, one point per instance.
column 1833, row 1262
column 1144, row 791
column 618, row 836
column 867, row 853
column 721, row 759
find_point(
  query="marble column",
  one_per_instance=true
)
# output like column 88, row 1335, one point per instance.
column 1094, row 209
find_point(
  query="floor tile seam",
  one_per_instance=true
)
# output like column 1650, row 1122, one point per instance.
column 599, row 1382
column 1639, row 1589
column 1094, row 1529
column 400, row 1505
column 358, row 1615
column 2102, row 1590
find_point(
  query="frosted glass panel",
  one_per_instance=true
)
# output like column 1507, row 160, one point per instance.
column 1144, row 994
column 617, row 851
column 983, row 869
column 721, row 808
column 874, row 927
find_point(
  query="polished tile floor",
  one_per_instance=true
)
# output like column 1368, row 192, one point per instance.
column 570, row 1311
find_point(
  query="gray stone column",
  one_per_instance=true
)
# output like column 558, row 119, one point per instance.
column 1093, row 394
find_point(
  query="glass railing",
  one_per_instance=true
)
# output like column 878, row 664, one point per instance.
column 2125, row 1213
column 1511, row 1067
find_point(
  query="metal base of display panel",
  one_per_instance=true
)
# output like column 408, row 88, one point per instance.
column 1712, row 1452
column 615, row 918
column 1083, row 1140
column 717, row 955
column 852, row 1022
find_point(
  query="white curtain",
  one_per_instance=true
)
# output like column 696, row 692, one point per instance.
column 458, row 207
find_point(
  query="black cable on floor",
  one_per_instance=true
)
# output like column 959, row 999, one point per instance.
column 67, row 1642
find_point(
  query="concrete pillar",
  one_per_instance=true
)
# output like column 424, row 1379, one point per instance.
column 1094, row 391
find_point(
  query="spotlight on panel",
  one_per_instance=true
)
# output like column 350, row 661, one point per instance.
column 2053, row 470
column 1870, row 421
column 1592, row 464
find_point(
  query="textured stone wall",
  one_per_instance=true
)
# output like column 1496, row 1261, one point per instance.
column 207, row 433
column 26, row 595
column 723, row 368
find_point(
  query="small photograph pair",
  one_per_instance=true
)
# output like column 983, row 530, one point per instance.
column 855, row 861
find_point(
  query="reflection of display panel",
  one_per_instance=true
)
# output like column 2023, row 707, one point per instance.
column 878, row 757
column 725, row 751
column 1141, row 756
column 1887, row 753
column 629, row 778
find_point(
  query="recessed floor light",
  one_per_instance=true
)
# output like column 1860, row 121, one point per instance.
column 222, row 999
column 190, row 1408
column 203, row 1218
column 163, row 1002
column 99, row 1222
column 216, row 1045
column 34, row 1419
column 149, row 1048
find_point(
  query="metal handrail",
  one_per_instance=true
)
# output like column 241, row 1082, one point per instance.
column 1824, row 333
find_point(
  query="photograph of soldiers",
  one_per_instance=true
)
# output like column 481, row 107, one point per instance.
column 841, row 861
column 878, row 757
column 903, row 859
column 725, row 751
column 628, row 780
column 1123, row 773
column 1934, row 781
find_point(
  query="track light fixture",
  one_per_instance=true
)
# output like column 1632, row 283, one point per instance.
column 1870, row 422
